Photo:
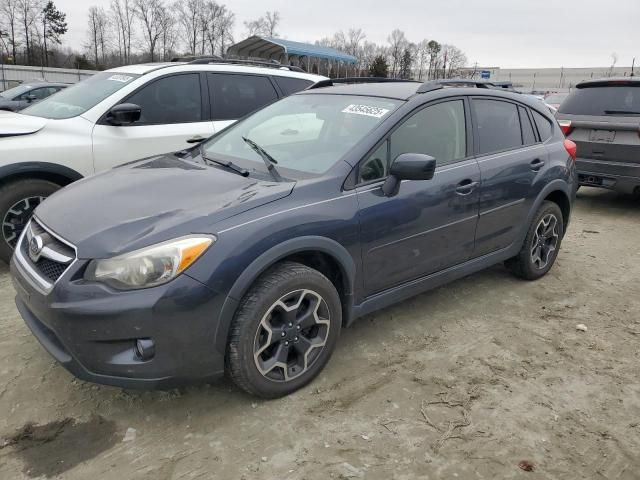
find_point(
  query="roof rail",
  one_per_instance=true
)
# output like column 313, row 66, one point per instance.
column 352, row 80
column 432, row 85
column 236, row 61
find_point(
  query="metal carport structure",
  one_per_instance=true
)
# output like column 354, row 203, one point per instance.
column 312, row 58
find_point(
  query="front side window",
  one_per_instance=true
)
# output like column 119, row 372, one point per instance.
column 498, row 125
column 233, row 96
column 306, row 133
column 173, row 99
column 82, row 96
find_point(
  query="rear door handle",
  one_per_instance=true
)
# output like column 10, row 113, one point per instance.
column 196, row 139
column 467, row 186
column 537, row 164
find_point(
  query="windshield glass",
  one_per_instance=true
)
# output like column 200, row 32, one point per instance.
column 15, row 91
column 82, row 96
column 611, row 100
column 308, row 133
column 556, row 98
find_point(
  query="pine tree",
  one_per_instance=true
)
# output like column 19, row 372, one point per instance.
column 379, row 67
column 54, row 25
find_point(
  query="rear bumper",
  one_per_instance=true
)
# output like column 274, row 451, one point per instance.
column 621, row 177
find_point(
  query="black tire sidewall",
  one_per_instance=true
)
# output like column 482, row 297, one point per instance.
column 530, row 270
column 265, row 292
column 12, row 193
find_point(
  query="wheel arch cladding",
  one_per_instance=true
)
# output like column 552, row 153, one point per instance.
column 321, row 253
column 561, row 199
column 58, row 174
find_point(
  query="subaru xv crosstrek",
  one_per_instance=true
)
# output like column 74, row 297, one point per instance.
column 602, row 117
column 248, row 254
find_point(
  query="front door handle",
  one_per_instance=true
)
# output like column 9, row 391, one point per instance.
column 537, row 164
column 196, row 139
column 466, row 187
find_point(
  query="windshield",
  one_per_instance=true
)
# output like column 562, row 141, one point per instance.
column 15, row 91
column 82, row 96
column 555, row 98
column 308, row 133
column 618, row 100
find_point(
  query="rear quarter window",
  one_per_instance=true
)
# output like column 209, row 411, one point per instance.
column 605, row 100
column 545, row 129
column 290, row 85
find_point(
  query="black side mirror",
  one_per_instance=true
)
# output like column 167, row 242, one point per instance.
column 408, row 166
column 31, row 98
column 124, row 114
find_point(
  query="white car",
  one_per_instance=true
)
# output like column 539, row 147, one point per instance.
column 122, row 115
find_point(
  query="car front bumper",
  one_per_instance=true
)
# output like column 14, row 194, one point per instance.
column 92, row 330
column 621, row 177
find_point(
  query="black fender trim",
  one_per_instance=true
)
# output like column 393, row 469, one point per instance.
column 272, row 256
column 554, row 186
column 26, row 168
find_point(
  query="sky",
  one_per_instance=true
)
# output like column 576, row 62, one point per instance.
column 493, row 33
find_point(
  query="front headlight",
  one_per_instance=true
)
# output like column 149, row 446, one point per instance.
column 150, row 266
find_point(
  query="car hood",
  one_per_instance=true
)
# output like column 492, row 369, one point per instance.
column 12, row 124
column 150, row 201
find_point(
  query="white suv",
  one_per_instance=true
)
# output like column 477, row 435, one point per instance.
column 122, row 115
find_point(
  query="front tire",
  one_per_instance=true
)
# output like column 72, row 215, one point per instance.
column 18, row 200
column 541, row 245
column 284, row 331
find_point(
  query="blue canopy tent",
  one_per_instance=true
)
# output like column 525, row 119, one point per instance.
column 312, row 58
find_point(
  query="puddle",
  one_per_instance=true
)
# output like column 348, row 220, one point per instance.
column 56, row 447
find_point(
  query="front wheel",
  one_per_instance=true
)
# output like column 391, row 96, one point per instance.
column 542, row 244
column 284, row 331
column 18, row 200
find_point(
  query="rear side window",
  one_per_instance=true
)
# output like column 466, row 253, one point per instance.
column 544, row 126
column 290, row 85
column 174, row 99
column 234, row 96
column 498, row 125
column 528, row 137
column 617, row 100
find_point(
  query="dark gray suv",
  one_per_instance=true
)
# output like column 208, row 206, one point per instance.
column 602, row 117
column 249, row 253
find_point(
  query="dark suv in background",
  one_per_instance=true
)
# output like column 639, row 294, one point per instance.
column 247, row 254
column 602, row 117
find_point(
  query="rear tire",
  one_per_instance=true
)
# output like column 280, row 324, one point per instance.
column 284, row 331
column 18, row 200
column 541, row 245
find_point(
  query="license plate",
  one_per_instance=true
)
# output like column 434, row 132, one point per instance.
column 602, row 135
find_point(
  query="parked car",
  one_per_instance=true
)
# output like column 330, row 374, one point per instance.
column 122, row 115
column 603, row 118
column 27, row 94
column 248, row 253
column 554, row 100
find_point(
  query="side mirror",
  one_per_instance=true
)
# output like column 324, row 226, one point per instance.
column 124, row 114
column 31, row 98
column 408, row 166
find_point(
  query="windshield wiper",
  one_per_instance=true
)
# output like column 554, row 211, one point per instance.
column 621, row 112
column 230, row 165
column 268, row 160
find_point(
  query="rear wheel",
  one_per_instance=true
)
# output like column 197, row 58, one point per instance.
column 18, row 200
column 542, row 244
column 284, row 331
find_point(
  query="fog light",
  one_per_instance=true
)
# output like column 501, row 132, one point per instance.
column 145, row 349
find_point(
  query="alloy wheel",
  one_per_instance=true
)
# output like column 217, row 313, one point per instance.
column 291, row 335
column 17, row 218
column 545, row 241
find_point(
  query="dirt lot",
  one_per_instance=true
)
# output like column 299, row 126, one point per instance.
column 484, row 378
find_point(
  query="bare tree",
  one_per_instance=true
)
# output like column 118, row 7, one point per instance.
column 422, row 54
column 153, row 17
column 265, row 26
column 28, row 15
column 124, row 15
column 456, row 60
column 97, row 34
column 397, row 43
column 190, row 15
column 9, row 14
column 225, row 29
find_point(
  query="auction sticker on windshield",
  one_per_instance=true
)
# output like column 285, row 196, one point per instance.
column 366, row 110
column 120, row 78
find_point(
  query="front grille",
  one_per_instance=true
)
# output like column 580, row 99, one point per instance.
column 49, row 268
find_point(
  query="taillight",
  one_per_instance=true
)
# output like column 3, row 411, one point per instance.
column 571, row 148
column 565, row 126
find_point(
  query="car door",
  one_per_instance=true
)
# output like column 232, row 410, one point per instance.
column 510, row 157
column 234, row 95
column 174, row 113
column 428, row 225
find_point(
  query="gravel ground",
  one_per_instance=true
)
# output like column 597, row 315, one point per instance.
column 485, row 378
